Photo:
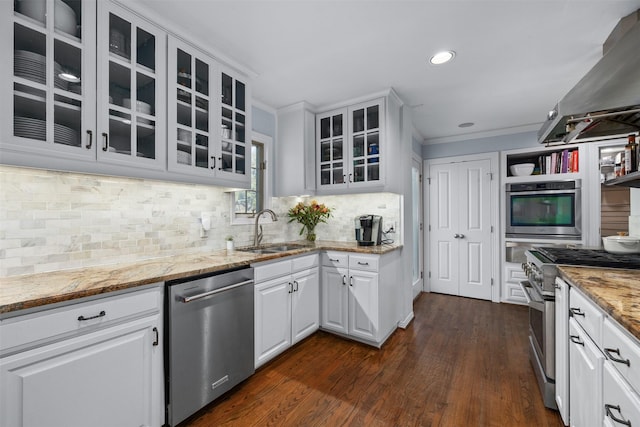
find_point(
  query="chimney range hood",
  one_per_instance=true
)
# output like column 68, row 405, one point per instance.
column 606, row 101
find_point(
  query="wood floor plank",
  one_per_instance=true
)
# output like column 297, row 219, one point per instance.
column 461, row 362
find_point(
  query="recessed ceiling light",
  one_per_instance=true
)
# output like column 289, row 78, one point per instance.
column 466, row 125
column 442, row 57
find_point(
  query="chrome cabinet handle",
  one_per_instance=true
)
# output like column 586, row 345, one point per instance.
column 156, row 341
column 351, row 281
column 456, row 236
column 350, row 177
column 334, row 260
column 609, row 414
column 90, row 137
column 101, row 314
column 290, row 287
column 296, row 283
column 344, row 280
column 214, row 162
column 577, row 312
column 576, row 339
column 618, row 359
column 105, row 139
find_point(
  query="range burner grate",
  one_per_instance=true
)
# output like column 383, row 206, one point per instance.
column 591, row 257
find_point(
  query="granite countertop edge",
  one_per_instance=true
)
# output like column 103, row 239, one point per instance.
column 615, row 291
column 35, row 290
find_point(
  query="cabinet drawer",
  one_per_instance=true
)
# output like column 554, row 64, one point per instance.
column 271, row 270
column 515, row 275
column 304, row 262
column 49, row 325
column 618, row 399
column 335, row 259
column 587, row 314
column 622, row 351
column 363, row 262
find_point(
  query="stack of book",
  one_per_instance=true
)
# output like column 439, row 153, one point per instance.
column 564, row 161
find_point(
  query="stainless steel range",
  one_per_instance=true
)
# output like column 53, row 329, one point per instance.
column 541, row 269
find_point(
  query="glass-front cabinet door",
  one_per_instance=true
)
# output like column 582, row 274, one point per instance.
column 365, row 133
column 234, row 159
column 350, row 145
column 192, row 106
column 52, row 77
column 131, row 95
column 331, row 140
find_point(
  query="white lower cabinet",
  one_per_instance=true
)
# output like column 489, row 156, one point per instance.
column 287, row 301
column 103, row 368
column 562, row 348
column 358, row 298
column 585, row 378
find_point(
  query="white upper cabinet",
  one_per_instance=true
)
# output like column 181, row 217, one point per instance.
column 131, row 96
column 63, row 105
column 192, row 105
column 349, row 142
column 49, row 83
column 86, row 91
column 356, row 144
column 234, row 159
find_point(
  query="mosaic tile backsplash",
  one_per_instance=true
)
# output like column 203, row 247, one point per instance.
column 57, row 220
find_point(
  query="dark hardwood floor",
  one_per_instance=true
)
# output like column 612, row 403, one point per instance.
column 461, row 362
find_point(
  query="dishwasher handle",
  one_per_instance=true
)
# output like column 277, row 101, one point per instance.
column 216, row 291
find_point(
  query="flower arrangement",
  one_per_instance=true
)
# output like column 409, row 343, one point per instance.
column 309, row 216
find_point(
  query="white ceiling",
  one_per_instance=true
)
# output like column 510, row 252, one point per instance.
column 514, row 58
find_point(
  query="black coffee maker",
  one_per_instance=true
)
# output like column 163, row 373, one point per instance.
column 368, row 230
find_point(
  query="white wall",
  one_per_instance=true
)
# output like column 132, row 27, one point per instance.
column 481, row 145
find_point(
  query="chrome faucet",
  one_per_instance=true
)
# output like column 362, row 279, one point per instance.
column 257, row 236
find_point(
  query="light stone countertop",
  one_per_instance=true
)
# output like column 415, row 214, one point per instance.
column 35, row 290
column 616, row 291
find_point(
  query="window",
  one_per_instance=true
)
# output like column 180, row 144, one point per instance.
column 245, row 203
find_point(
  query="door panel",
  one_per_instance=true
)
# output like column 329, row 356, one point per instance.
column 443, row 246
column 460, row 238
column 475, row 227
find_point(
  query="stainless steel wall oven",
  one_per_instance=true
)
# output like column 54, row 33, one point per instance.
column 544, row 209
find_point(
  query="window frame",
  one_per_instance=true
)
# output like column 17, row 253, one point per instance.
column 267, row 143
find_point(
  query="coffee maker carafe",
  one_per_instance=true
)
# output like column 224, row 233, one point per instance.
column 368, row 230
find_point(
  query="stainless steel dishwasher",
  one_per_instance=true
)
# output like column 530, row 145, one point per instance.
column 210, row 339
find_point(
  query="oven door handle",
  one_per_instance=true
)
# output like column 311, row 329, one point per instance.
column 531, row 295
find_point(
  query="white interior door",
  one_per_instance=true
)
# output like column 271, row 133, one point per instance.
column 460, row 255
column 416, row 223
column 443, row 222
column 474, row 228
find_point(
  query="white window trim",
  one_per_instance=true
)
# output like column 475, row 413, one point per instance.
column 267, row 142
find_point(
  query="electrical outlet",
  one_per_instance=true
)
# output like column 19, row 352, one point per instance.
column 392, row 227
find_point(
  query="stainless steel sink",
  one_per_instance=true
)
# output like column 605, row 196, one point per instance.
column 272, row 249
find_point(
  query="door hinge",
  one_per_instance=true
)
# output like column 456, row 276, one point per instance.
column 263, row 165
column 420, row 226
column 492, row 281
column 490, row 176
column 429, row 227
column 422, row 275
column 429, row 275
column 429, row 181
column 492, row 228
column 420, row 178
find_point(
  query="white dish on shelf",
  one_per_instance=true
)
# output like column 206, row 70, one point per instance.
column 64, row 16
column 621, row 244
column 184, row 158
column 141, row 107
column 522, row 169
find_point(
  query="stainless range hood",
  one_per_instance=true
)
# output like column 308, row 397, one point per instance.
column 606, row 101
